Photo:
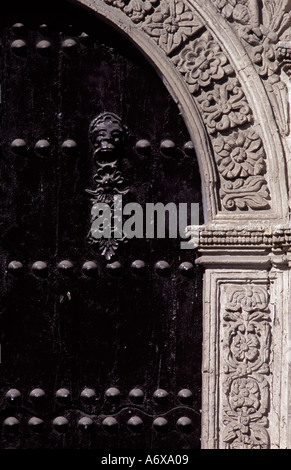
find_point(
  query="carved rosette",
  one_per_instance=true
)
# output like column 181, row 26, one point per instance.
column 246, row 336
column 171, row 25
column 241, row 162
column 202, row 62
column 211, row 80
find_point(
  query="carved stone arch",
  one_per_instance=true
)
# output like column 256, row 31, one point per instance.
column 249, row 191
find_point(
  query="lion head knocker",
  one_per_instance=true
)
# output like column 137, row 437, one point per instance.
column 108, row 135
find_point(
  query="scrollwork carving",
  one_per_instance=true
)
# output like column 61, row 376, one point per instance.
column 246, row 356
column 247, row 194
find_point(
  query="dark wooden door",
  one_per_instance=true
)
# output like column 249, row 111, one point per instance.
column 90, row 358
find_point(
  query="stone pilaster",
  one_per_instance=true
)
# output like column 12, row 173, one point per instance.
column 245, row 343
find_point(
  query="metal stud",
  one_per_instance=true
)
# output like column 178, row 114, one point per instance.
column 185, row 396
column 11, row 424
column 135, row 424
column 69, row 147
column 90, row 269
column 36, row 424
column 18, row 146
column 110, row 424
column 37, row 394
column 15, row 268
column 85, row 423
column 60, row 423
column 44, row 47
column 13, row 395
column 138, row 266
column 184, row 424
column 112, row 394
column 88, row 395
column 69, row 45
column 66, row 267
column 42, row 148
column 143, row 147
column 63, row 395
column 167, row 147
column 136, row 395
column 19, row 28
column 43, row 28
column 186, row 269
column 160, row 424
column 161, row 396
column 162, row 268
column 189, row 149
column 40, row 268
column 85, row 39
column 114, row 268
column 19, row 47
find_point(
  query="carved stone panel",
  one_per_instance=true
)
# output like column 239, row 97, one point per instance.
column 247, row 337
column 244, row 399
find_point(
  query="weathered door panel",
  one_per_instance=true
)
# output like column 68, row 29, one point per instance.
column 131, row 339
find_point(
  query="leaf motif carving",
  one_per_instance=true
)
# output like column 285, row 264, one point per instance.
column 250, row 194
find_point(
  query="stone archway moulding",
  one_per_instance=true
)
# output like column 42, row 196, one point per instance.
column 226, row 64
column 216, row 85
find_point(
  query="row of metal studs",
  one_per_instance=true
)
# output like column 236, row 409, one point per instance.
column 90, row 268
column 112, row 394
column 110, row 424
column 69, row 146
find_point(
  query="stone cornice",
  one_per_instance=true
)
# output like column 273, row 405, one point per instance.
column 240, row 245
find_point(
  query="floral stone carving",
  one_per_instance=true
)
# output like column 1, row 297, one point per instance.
column 240, row 155
column 246, row 357
column 211, row 80
column 263, row 30
column 225, row 107
column 136, row 10
column 172, row 24
column 202, row 62
column 241, row 163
